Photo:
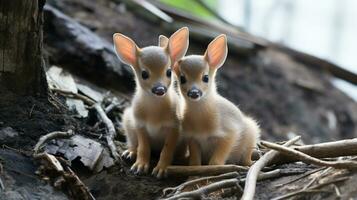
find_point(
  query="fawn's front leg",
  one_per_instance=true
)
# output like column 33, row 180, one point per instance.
column 143, row 152
column 195, row 153
column 223, row 147
column 167, row 153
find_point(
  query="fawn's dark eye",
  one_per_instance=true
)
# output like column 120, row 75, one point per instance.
column 182, row 79
column 205, row 78
column 168, row 73
column 145, row 75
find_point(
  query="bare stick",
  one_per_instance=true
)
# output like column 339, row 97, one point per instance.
column 252, row 176
column 205, row 190
column 204, row 170
column 271, row 174
column 178, row 189
column 111, row 131
column 70, row 94
column 50, row 136
column 313, row 188
column 342, row 164
column 322, row 150
column 302, row 176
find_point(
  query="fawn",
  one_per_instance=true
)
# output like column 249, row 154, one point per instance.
column 218, row 132
column 151, row 123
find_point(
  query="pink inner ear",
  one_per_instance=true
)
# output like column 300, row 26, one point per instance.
column 128, row 52
column 178, row 44
column 175, row 47
column 126, row 49
column 216, row 52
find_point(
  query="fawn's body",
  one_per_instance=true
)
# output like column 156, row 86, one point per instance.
column 217, row 130
column 151, row 123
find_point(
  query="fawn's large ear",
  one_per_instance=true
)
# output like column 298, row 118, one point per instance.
column 178, row 44
column 163, row 41
column 216, row 52
column 126, row 49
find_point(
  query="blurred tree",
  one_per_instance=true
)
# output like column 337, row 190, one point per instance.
column 21, row 60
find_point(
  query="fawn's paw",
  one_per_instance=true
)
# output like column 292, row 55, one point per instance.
column 129, row 154
column 160, row 170
column 140, row 167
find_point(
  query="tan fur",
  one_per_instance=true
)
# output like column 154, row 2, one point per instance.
column 218, row 130
column 151, row 123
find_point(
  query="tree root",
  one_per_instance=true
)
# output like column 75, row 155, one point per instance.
column 322, row 150
column 205, row 170
column 341, row 164
column 62, row 176
column 252, row 176
column 111, row 132
column 206, row 190
column 50, row 136
column 178, row 189
column 73, row 95
column 311, row 189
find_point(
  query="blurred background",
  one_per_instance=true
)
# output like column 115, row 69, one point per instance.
column 324, row 28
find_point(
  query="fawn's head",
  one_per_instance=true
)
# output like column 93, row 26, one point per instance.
column 197, row 73
column 152, row 64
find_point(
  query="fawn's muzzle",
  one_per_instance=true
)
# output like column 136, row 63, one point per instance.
column 194, row 93
column 159, row 90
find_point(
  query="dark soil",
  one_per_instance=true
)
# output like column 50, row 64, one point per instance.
column 32, row 117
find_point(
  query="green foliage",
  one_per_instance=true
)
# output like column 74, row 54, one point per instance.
column 192, row 7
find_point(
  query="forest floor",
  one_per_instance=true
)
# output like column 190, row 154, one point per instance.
column 40, row 116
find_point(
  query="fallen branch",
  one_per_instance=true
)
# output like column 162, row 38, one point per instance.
column 110, row 131
column 80, row 190
column 252, row 176
column 272, row 174
column 205, row 170
column 313, row 188
column 205, row 190
column 176, row 190
column 301, row 177
column 341, row 164
column 73, row 95
column 62, row 176
column 50, row 136
column 322, row 150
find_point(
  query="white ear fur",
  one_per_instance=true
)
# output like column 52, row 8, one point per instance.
column 163, row 41
column 178, row 44
column 125, row 48
column 217, row 51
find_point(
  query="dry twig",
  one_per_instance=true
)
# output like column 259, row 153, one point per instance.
column 322, row 150
column 205, row 170
column 70, row 94
column 252, row 176
column 50, row 136
column 313, row 188
column 302, row 176
column 63, row 177
column 176, row 190
column 110, row 131
column 342, row 164
column 205, row 190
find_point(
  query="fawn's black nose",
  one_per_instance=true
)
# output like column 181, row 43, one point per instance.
column 159, row 90
column 194, row 93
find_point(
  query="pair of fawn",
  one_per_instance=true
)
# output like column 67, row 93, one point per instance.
column 167, row 119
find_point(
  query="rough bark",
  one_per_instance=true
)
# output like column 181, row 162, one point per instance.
column 21, row 61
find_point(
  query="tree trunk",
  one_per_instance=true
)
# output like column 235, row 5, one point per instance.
column 21, row 60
